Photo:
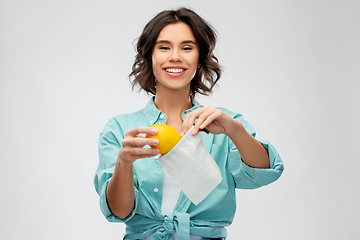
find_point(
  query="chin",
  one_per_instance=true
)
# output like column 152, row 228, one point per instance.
column 175, row 86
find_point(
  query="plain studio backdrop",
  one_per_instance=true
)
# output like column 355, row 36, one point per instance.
column 290, row 67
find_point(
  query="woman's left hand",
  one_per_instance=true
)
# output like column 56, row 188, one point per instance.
column 213, row 119
column 217, row 122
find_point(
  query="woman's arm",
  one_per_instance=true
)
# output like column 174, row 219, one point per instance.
column 252, row 151
column 216, row 121
column 120, row 192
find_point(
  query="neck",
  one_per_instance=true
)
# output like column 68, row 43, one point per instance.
column 172, row 103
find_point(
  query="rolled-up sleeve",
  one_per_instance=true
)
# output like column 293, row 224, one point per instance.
column 247, row 177
column 109, row 145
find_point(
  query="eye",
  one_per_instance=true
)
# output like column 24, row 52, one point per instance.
column 164, row 48
column 187, row 48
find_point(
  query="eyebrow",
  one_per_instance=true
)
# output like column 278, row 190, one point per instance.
column 168, row 42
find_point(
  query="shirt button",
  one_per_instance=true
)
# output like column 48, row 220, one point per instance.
column 162, row 116
column 156, row 190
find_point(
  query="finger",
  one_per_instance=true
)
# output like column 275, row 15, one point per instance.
column 186, row 123
column 211, row 117
column 212, row 123
column 139, row 141
column 200, row 121
column 190, row 118
column 148, row 155
column 133, row 157
column 208, row 111
column 140, row 129
column 137, row 152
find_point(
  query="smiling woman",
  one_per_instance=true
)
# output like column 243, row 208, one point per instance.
column 199, row 36
column 175, row 58
column 175, row 61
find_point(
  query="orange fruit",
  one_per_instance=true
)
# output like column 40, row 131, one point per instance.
column 168, row 137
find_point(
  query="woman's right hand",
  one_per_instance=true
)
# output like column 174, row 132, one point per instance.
column 120, row 193
column 132, row 147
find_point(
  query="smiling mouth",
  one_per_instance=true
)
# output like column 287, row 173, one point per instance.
column 174, row 70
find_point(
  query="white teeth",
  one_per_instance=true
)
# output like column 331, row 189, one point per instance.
column 174, row 70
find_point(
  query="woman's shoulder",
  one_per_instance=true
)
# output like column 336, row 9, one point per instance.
column 126, row 121
column 127, row 116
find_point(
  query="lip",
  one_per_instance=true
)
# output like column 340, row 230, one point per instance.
column 174, row 74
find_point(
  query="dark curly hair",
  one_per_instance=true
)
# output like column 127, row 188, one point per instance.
column 206, row 76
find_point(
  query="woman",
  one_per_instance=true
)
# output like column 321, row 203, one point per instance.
column 175, row 61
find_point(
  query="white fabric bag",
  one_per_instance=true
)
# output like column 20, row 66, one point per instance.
column 192, row 167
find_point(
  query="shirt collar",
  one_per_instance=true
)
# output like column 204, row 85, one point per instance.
column 154, row 115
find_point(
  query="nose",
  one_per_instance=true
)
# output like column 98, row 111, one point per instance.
column 175, row 56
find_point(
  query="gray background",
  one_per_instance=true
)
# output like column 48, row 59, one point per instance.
column 290, row 67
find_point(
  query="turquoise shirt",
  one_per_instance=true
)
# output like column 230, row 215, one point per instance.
column 207, row 219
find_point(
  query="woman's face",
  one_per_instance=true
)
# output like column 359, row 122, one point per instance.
column 175, row 57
